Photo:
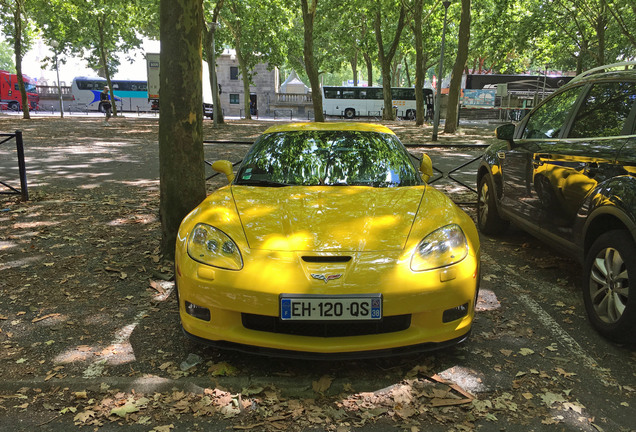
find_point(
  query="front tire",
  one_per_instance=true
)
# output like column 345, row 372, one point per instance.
column 349, row 113
column 608, row 292
column 488, row 219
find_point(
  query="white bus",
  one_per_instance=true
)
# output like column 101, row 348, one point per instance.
column 351, row 102
column 129, row 95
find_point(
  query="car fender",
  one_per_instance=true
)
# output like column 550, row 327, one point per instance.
column 491, row 164
column 612, row 204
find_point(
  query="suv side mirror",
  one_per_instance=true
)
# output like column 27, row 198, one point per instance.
column 505, row 132
column 426, row 167
column 225, row 167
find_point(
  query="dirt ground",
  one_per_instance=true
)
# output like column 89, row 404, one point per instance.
column 89, row 330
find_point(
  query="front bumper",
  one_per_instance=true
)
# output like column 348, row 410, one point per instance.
column 255, row 290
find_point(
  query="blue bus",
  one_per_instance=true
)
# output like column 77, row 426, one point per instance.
column 130, row 95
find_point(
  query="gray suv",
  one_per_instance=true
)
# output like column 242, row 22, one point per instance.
column 567, row 174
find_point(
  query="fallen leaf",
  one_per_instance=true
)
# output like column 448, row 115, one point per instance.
column 122, row 411
column 322, row 384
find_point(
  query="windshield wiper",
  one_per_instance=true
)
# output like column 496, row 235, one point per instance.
column 261, row 182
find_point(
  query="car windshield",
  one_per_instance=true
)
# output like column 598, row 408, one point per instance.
column 327, row 158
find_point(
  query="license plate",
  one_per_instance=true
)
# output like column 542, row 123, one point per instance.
column 330, row 308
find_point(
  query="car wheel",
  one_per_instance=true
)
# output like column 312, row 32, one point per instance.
column 14, row 106
column 410, row 115
column 350, row 113
column 488, row 218
column 610, row 299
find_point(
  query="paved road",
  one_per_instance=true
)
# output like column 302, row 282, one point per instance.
column 532, row 362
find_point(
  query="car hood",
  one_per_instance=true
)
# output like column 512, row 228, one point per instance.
column 327, row 219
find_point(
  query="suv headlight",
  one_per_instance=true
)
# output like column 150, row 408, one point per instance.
column 442, row 247
column 211, row 246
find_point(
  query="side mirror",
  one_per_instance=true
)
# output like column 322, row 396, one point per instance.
column 225, row 167
column 426, row 167
column 505, row 132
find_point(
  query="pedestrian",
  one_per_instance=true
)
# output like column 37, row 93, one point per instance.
column 104, row 100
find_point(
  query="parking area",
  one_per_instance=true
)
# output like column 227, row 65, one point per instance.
column 90, row 336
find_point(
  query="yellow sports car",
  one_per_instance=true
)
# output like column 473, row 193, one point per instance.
column 328, row 241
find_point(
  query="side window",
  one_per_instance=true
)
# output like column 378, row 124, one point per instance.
column 234, row 73
column 331, row 94
column 604, row 111
column 548, row 120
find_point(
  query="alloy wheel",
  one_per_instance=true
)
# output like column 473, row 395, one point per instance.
column 609, row 285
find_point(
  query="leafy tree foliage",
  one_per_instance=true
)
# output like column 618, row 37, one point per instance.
column 255, row 27
column 6, row 57
column 94, row 30
column 18, row 29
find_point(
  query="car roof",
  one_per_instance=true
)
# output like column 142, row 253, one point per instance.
column 330, row 126
column 615, row 71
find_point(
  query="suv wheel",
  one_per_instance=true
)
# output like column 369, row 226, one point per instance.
column 610, row 299
column 488, row 218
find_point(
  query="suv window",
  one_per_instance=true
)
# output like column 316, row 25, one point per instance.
column 604, row 110
column 548, row 120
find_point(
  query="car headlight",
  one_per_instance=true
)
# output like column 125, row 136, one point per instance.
column 442, row 247
column 211, row 246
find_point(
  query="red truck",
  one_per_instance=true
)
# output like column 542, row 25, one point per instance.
column 10, row 96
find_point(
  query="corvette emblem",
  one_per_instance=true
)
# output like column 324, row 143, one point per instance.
column 326, row 278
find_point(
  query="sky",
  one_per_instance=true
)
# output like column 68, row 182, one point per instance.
column 33, row 66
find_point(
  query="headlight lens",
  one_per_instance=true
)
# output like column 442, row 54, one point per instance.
column 442, row 247
column 211, row 246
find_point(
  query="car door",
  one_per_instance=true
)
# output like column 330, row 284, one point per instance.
column 527, row 171
column 597, row 136
column 564, row 171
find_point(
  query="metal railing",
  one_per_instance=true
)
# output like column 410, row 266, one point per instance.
column 19, row 144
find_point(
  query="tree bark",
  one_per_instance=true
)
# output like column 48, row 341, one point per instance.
column 419, row 62
column 181, row 160
column 103, row 55
column 369, row 63
column 246, row 80
column 309, row 14
column 458, row 69
column 386, row 58
column 17, row 46
column 209, row 35
column 354, row 67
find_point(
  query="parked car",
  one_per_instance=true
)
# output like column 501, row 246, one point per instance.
column 567, row 174
column 327, row 242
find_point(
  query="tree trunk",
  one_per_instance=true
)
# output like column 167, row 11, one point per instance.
column 408, row 74
column 181, row 161
column 369, row 63
column 246, row 81
column 309, row 13
column 354, row 68
column 386, row 58
column 460, row 62
column 419, row 63
column 17, row 45
column 209, row 35
column 103, row 55
column 601, row 26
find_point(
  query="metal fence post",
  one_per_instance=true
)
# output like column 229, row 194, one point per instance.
column 21, row 165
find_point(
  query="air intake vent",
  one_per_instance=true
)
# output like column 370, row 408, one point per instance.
column 326, row 259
